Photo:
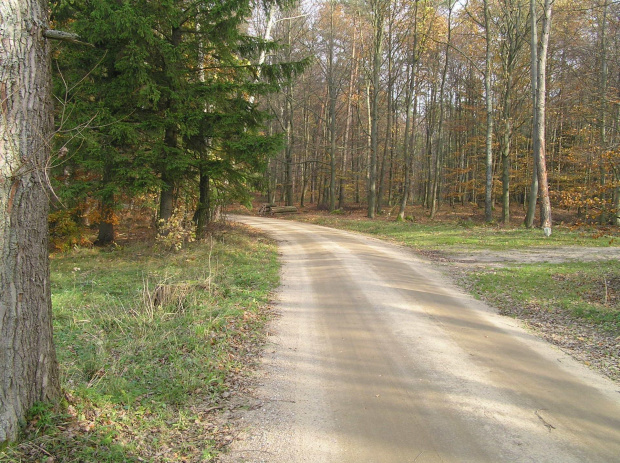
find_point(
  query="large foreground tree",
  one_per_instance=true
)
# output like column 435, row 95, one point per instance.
column 28, row 368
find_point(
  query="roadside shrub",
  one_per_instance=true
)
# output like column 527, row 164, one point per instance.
column 176, row 232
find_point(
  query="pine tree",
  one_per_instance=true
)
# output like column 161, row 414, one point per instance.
column 169, row 85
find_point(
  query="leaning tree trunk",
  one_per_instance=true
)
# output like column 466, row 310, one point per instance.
column 28, row 368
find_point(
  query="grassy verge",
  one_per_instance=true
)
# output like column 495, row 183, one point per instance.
column 462, row 235
column 149, row 345
column 587, row 290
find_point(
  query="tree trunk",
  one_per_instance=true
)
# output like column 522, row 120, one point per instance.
column 387, row 145
column 378, row 20
column 171, row 142
column 533, row 197
column 332, row 113
column 439, row 145
column 603, row 84
column 107, row 234
column 202, row 215
column 166, row 199
column 539, row 132
column 349, row 121
column 407, row 161
column 488, row 99
column 506, row 171
column 28, row 368
column 616, row 204
column 513, row 25
column 288, row 115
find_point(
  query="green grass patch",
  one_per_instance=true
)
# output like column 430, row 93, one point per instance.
column 462, row 235
column 583, row 290
column 147, row 343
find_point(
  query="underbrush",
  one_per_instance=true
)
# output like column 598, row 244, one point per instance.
column 149, row 344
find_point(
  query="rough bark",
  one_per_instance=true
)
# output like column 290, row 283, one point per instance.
column 28, row 368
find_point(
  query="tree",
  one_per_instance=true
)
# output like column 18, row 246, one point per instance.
column 513, row 33
column 438, row 151
column 378, row 10
column 488, row 98
column 171, row 94
column 539, row 93
column 28, row 368
column 331, row 111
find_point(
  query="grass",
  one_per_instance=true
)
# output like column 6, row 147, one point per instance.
column 148, row 344
column 582, row 290
column 463, row 235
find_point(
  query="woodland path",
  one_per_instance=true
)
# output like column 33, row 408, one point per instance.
column 376, row 357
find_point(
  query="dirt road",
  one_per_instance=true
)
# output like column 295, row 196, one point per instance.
column 377, row 358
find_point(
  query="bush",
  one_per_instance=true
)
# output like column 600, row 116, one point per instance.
column 66, row 231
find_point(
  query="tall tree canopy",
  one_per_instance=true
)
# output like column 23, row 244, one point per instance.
column 441, row 113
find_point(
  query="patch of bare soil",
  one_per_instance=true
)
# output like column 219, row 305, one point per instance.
column 583, row 340
column 531, row 256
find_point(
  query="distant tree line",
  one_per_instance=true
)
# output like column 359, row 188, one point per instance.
column 435, row 103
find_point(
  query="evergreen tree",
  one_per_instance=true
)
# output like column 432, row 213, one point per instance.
column 167, row 94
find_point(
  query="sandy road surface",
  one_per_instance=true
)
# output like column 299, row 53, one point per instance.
column 376, row 358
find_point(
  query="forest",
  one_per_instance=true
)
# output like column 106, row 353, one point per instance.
column 125, row 121
column 181, row 107
column 434, row 102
